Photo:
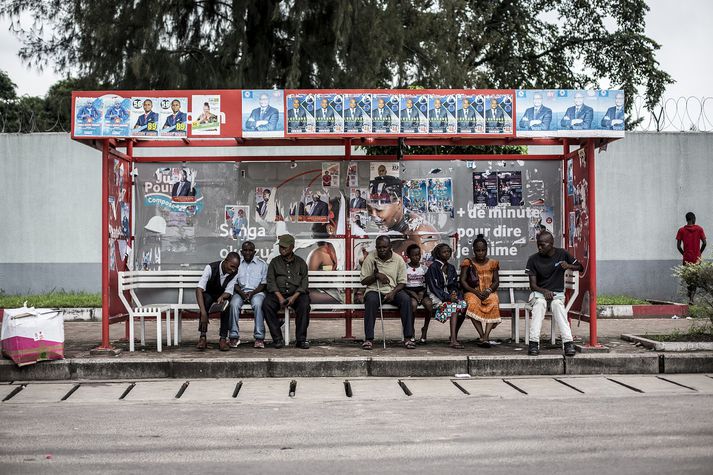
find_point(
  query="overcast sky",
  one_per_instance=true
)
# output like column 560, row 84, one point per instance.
column 681, row 27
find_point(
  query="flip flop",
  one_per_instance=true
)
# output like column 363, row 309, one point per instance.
column 456, row 346
column 410, row 345
column 367, row 345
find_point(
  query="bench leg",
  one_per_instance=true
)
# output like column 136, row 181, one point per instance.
column 168, row 327
column 159, row 332
column 176, row 335
column 143, row 331
column 131, row 332
column 527, row 326
column 286, row 330
column 552, row 325
column 515, row 325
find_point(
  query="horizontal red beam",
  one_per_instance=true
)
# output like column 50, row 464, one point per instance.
column 337, row 158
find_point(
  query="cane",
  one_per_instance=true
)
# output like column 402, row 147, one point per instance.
column 381, row 310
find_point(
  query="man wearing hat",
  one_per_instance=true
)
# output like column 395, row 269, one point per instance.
column 287, row 284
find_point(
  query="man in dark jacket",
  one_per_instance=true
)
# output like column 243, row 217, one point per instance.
column 216, row 286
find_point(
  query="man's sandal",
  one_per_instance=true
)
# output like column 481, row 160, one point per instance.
column 367, row 345
column 410, row 345
column 456, row 345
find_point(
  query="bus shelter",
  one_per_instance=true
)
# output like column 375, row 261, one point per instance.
column 188, row 175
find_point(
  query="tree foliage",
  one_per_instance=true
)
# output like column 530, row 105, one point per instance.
column 201, row 44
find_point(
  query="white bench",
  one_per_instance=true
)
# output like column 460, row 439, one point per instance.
column 511, row 281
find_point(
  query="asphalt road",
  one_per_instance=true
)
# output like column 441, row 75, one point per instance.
column 618, row 425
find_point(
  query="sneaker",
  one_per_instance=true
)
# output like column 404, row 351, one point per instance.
column 202, row 344
column 277, row 344
column 234, row 342
column 569, row 349
column 259, row 344
column 534, row 348
column 223, row 345
column 303, row 345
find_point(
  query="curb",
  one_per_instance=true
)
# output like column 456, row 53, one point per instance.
column 665, row 309
column 680, row 346
column 515, row 365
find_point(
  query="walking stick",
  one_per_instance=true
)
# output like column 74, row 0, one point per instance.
column 381, row 310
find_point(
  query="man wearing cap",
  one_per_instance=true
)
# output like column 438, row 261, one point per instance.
column 287, row 284
column 216, row 286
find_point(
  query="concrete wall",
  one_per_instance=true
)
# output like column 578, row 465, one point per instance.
column 50, row 213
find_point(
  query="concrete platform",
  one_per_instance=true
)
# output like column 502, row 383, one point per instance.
column 489, row 388
column 98, row 392
column 543, row 387
column 39, row 392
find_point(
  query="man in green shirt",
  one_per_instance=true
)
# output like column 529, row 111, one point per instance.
column 287, row 284
column 384, row 275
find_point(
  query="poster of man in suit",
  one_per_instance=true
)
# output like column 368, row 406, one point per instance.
column 173, row 118
column 143, row 117
column 356, row 113
column 414, row 110
column 328, row 114
column 536, row 117
column 300, row 114
column 469, row 114
column 263, row 113
column 116, row 117
column 88, row 112
column 385, row 114
column 578, row 116
column 441, row 114
column 315, row 207
column 614, row 117
column 498, row 114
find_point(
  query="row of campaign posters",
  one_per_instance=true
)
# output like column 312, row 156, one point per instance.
column 277, row 113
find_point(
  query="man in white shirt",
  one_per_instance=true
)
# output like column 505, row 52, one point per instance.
column 250, row 285
column 216, row 286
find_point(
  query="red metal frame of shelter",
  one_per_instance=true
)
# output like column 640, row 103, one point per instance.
column 582, row 149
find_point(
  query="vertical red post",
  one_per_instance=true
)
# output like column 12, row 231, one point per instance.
column 348, row 248
column 591, row 176
column 565, row 202
column 106, row 172
column 130, row 200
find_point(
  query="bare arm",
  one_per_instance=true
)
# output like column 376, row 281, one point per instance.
column 203, row 325
column 703, row 245
column 679, row 245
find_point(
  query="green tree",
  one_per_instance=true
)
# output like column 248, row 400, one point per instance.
column 7, row 87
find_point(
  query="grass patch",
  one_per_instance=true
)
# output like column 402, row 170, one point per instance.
column 52, row 300
column 699, row 331
column 619, row 300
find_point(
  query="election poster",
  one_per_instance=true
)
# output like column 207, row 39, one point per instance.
column 263, row 113
column 265, row 207
column 442, row 114
column 498, row 114
column 485, row 189
column 173, row 117
column 116, row 116
column 328, row 115
column 570, row 113
column 414, row 114
column 383, row 180
column 300, row 114
column 314, row 207
column 357, row 113
column 385, row 114
column 205, row 115
column 144, row 116
column 352, row 175
column 541, row 219
column 330, row 174
column 237, row 220
column 87, row 118
column 510, row 188
column 440, row 196
column 416, row 195
column 469, row 115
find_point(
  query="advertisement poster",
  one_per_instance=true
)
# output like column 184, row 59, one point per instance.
column 236, row 217
column 144, row 117
column 416, row 195
column 352, row 175
column 328, row 115
column 357, row 118
column 570, row 177
column 543, row 221
column 263, row 113
column 570, row 113
column 385, row 114
column 116, row 116
column 469, row 115
column 498, row 114
column 314, row 207
column 300, row 114
column 88, row 113
column 440, row 196
column 183, row 186
column 330, row 174
column 442, row 114
column 510, row 188
column 485, row 189
column 124, row 219
column 359, row 220
column 205, row 115
column 382, row 178
column 173, row 190
column 265, row 207
column 173, row 117
column 414, row 114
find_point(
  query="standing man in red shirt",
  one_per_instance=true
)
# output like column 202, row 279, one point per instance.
column 691, row 241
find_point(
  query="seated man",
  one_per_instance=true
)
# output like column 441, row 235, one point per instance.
column 249, row 287
column 287, row 284
column 546, row 269
column 384, row 274
column 216, row 286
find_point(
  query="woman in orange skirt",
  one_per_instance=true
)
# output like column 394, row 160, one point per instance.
column 479, row 280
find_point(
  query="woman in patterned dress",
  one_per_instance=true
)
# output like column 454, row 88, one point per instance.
column 479, row 280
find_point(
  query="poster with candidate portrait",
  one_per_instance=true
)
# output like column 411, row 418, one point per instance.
column 300, row 114
column 385, row 113
column 205, row 115
column 416, row 195
column 357, row 113
column 498, row 114
column 414, row 113
column 87, row 116
column 485, row 189
column 383, row 178
column 173, row 117
column 263, row 113
column 442, row 114
column 328, row 114
column 440, row 196
column 144, row 116
column 510, row 188
column 116, row 116
column 570, row 113
column 469, row 113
